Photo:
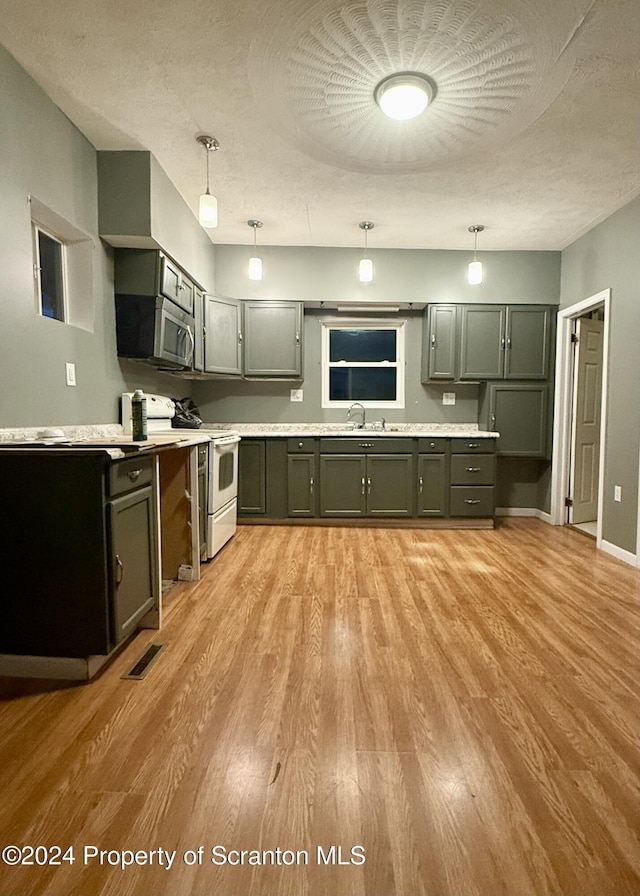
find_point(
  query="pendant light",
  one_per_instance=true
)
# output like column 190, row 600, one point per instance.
column 366, row 265
column 255, row 263
column 474, row 274
column 208, row 207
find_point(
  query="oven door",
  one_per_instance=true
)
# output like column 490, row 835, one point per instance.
column 223, row 471
column 174, row 342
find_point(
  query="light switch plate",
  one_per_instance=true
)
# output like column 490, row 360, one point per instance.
column 70, row 372
column 448, row 398
column 617, row 493
column 297, row 394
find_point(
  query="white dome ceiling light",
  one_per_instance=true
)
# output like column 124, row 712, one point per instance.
column 404, row 95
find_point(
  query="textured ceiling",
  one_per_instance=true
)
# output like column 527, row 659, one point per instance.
column 534, row 130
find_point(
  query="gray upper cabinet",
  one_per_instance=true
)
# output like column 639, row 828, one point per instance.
column 482, row 341
column 149, row 272
column 518, row 411
column 272, row 333
column 487, row 342
column 222, row 335
column 504, row 342
column 440, row 343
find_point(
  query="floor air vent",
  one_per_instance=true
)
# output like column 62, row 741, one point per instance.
column 141, row 666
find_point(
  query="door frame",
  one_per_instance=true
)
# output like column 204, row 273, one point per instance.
column 563, row 406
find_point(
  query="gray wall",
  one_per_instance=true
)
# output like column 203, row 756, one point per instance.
column 608, row 257
column 44, row 155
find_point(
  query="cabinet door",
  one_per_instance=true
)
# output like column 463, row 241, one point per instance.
column 133, row 559
column 390, row 485
column 342, row 485
column 432, row 485
column 272, row 339
column 301, row 484
column 222, row 336
column 440, row 339
column 252, row 480
column 527, row 342
column 170, row 279
column 519, row 414
column 482, row 342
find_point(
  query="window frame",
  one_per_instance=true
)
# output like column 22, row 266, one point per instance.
column 399, row 325
column 37, row 271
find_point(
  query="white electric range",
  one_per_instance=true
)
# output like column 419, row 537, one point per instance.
column 222, row 466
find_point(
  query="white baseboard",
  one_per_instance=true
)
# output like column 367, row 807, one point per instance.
column 619, row 553
column 524, row 511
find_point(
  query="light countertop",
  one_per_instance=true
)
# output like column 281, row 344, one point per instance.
column 410, row 430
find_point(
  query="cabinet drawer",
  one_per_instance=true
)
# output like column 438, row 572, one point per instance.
column 366, row 445
column 473, row 446
column 128, row 474
column 473, row 469
column 432, row 446
column 471, row 500
column 301, row 446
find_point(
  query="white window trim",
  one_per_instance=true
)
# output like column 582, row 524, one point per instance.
column 364, row 324
column 37, row 229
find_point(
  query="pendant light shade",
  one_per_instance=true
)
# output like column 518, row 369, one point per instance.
column 208, row 205
column 475, row 273
column 255, row 262
column 365, row 268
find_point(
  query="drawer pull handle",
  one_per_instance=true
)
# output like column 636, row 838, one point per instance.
column 133, row 474
column 472, row 469
column 365, row 444
column 433, row 340
column 472, row 500
column 473, row 445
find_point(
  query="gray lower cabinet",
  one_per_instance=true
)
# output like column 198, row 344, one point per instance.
column 252, row 477
column 366, row 485
column 472, row 478
column 84, row 584
column 272, row 334
column 432, row 485
column 301, row 485
column 519, row 412
column 132, row 554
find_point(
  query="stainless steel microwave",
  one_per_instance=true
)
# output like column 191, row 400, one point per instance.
column 156, row 330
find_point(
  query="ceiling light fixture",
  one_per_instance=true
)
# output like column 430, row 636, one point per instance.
column 208, row 207
column 365, row 268
column 474, row 274
column 255, row 263
column 404, row 95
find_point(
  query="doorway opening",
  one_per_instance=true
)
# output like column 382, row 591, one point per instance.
column 579, row 439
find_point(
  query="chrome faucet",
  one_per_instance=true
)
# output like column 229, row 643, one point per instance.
column 356, row 408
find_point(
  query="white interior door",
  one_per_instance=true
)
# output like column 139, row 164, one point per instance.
column 585, row 446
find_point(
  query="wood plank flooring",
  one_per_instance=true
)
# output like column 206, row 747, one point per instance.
column 463, row 706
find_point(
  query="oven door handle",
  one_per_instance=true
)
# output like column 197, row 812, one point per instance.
column 226, row 440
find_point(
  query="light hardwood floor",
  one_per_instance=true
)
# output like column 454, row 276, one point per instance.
column 463, row 705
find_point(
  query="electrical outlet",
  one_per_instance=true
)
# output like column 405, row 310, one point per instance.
column 70, row 370
column 617, row 493
column 448, row 398
column 296, row 394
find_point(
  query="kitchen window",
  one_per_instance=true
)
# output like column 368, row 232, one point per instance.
column 363, row 360
column 62, row 268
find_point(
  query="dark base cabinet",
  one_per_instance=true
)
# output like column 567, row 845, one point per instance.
column 79, row 553
column 353, row 478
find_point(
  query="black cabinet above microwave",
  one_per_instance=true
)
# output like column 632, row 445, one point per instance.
column 149, row 272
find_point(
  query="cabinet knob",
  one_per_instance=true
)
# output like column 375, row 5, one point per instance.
column 133, row 474
column 432, row 445
column 300, row 444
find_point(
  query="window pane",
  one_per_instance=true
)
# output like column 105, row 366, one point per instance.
column 362, row 345
column 50, row 256
column 362, row 384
